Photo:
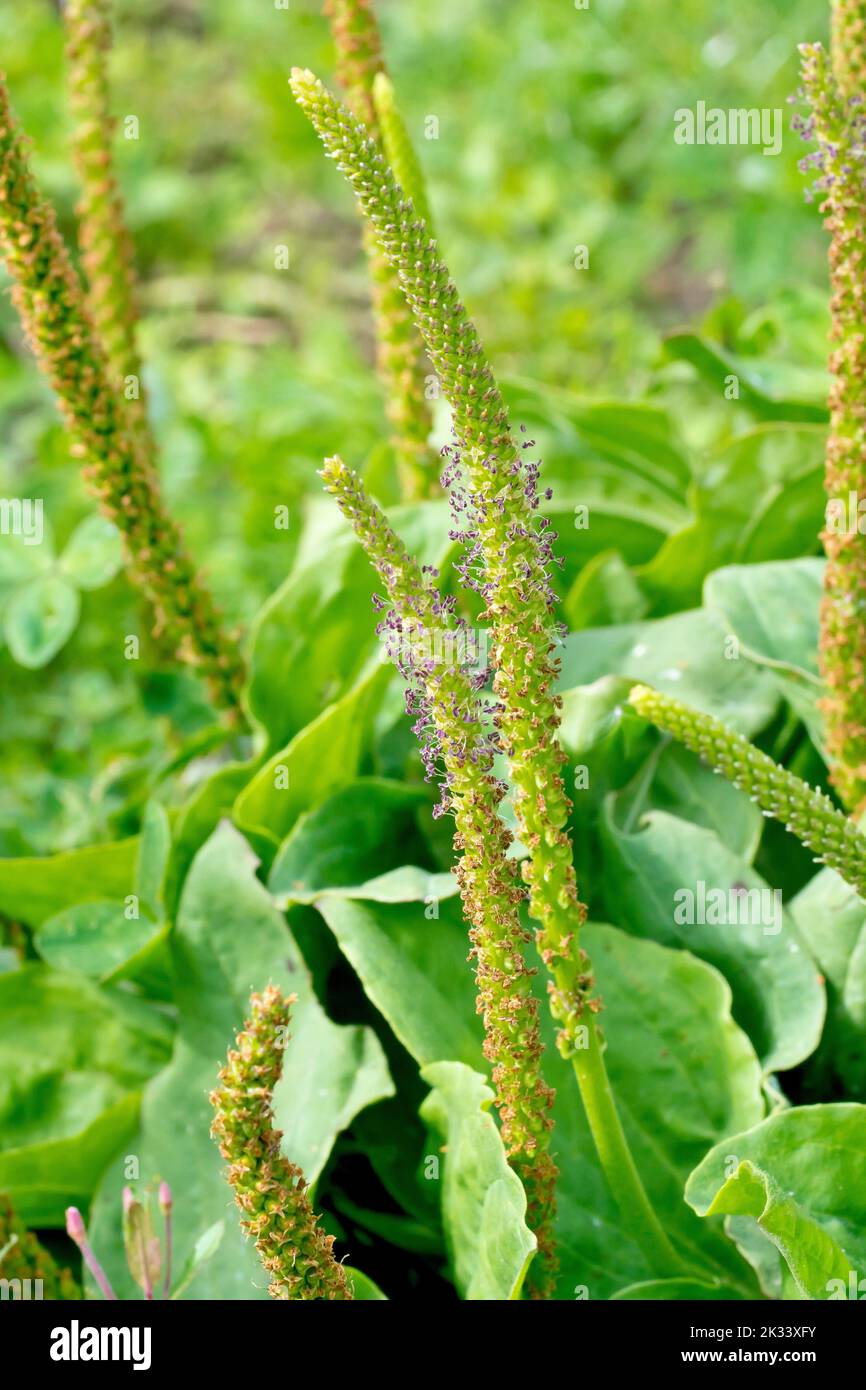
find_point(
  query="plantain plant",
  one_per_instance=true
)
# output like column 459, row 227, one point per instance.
column 592, row 1110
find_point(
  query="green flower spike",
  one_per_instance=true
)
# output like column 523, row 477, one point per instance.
column 848, row 47
column 518, row 607
column 48, row 296
column 514, row 553
column 106, row 246
column 398, row 148
column 22, row 1258
column 840, row 132
column 399, row 352
column 270, row 1190
column 425, row 644
column 804, row 810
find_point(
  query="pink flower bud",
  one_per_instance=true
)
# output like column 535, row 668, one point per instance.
column 75, row 1228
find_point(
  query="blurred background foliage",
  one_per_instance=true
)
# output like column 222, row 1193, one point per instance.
column 555, row 131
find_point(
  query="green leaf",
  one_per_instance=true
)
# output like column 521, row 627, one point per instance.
column 483, row 1202
column 84, row 1121
column 204, row 1249
column 153, row 856
column 52, row 1021
column 354, row 835
column 675, row 1291
column 715, row 365
column 323, row 757
column 211, row 802
column 604, row 593
column 754, row 499
column 627, row 450
column 414, row 971
column 93, row 554
column 831, row 918
column 363, row 1288
column 684, row 786
column 32, row 889
column 95, row 938
column 778, row 996
column 684, row 656
column 143, row 1250
column 314, row 636
column 801, row 1175
column 683, row 1073
column 40, row 618
column 772, row 610
column 228, row 941
column 21, row 560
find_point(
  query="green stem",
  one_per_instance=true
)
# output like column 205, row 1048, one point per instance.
column 616, row 1158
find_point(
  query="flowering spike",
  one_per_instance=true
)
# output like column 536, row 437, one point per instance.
column 76, row 1231
column 807, row 812
column 848, row 47
column 359, row 61
column 48, row 296
column 22, row 1257
column 270, row 1190
column 515, row 551
column 398, row 148
column 840, row 132
column 106, row 246
column 426, row 646
column 452, row 341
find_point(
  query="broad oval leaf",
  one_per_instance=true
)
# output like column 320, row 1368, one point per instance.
column 778, row 995
column 40, row 618
column 483, row 1202
column 93, row 553
column 96, row 938
column 801, row 1175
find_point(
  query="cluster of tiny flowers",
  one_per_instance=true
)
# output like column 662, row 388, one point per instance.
column 106, row 246
column 47, row 294
column 848, row 45
column 271, row 1191
column 426, row 680
column 452, row 721
column 472, row 511
column 358, row 47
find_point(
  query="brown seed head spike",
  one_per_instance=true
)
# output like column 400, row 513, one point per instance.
column 48, row 296
column 269, row 1190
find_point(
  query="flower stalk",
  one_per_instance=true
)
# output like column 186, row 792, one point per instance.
column 48, row 297
column 430, row 650
column 271, row 1191
column 398, row 148
column 838, row 127
column 500, row 500
column 360, row 64
column 165, row 1205
column 106, row 246
column 77, row 1232
column 848, row 47
column 805, row 811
